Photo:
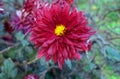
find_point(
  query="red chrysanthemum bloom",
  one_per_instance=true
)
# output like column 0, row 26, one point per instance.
column 31, row 76
column 60, row 33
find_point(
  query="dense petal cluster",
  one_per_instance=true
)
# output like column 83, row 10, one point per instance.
column 60, row 33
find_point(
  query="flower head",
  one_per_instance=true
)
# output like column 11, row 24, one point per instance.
column 60, row 33
column 22, row 21
column 31, row 76
column 1, row 9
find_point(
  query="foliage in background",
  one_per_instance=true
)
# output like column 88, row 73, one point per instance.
column 17, row 54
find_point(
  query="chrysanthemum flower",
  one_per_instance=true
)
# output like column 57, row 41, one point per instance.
column 60, row 33
column 31, row 76
column 24, row 18
column 1, row 9
column 22, row 21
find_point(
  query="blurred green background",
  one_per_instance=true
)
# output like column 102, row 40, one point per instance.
column 17, row 54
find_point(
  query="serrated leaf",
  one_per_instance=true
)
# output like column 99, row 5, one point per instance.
column 109, row 73
column 29, row 49
column 19, row 36
column 69, row 64
column 8, row 69
column 112, row 53
column 25, row 42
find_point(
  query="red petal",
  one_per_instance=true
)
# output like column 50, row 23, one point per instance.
column 52, row 49
column 65, row 53
column 48, row 57
column 77, row 56
column 41, row 53
column 55, row 58
column 47, row 43
column 60, row 62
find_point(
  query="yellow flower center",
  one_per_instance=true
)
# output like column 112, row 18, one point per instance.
column 59, row 30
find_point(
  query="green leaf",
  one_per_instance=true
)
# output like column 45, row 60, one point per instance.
column 109, row 73
column 112, row 53
column 25, row 42
column 8, row 69
column 19, row 36
column 88, row 67
column 69, row 64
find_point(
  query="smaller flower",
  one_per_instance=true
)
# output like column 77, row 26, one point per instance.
column 24, row 18
column 16, row 21
column 21, row 21
column 31, row 76
column 1, row 9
